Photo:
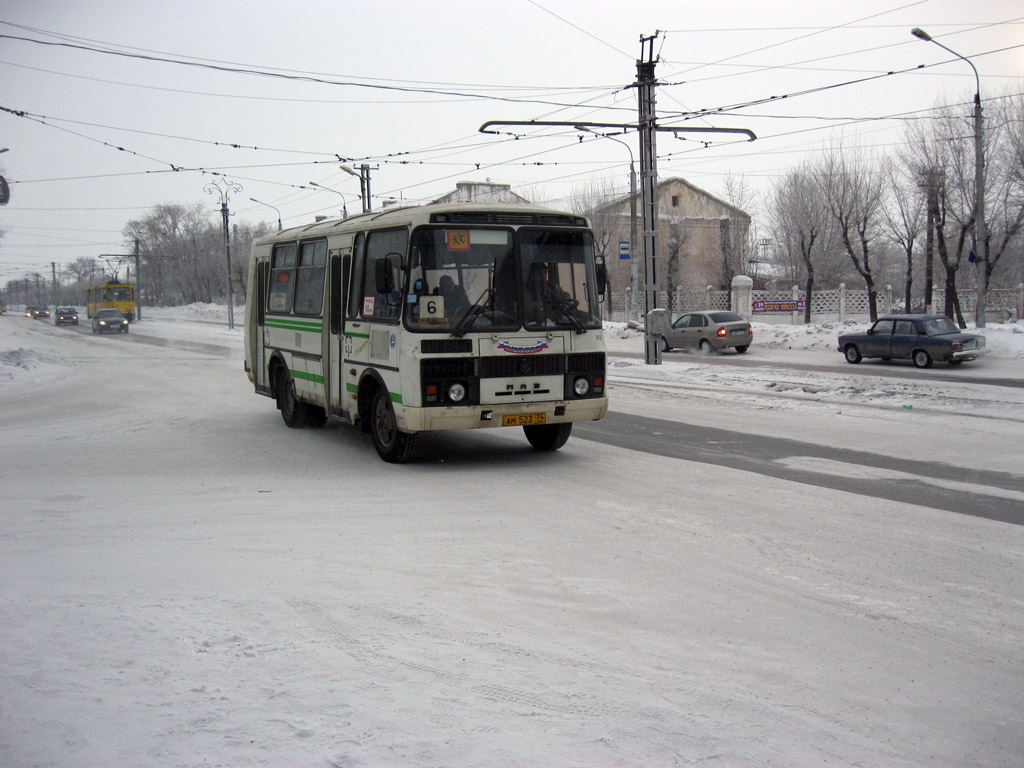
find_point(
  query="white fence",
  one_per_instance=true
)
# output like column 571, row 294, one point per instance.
column 826, row 306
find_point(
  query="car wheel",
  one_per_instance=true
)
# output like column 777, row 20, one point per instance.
column 705, row 346
column 293, row 411
column 852, row 354
column 548, row 437
column 743, row 348
column 665, row 346
column 393, row 445
column 921, row 359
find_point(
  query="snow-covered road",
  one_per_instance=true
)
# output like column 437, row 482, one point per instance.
column 186, row 582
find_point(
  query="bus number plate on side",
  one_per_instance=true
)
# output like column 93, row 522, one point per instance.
column 524, row 419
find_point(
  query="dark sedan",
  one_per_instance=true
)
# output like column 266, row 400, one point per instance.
column 65, row 316
column 922, row 339
column 109, row 321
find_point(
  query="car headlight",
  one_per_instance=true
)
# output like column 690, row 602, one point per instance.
column 581, row 386
column 456, row 392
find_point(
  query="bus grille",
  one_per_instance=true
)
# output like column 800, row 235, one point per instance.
column 446, row 346
column 448, row 367
column 591, row 362
column 521, row 365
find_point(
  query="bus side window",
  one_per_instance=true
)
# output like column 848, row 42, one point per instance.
column 339, row 282
column 282, row 279
column 309, row 278
column 355, row 297
column 387, row 246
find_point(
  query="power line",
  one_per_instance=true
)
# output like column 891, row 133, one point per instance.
column 291, row 77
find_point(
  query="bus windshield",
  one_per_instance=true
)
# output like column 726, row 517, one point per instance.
column 477, row 279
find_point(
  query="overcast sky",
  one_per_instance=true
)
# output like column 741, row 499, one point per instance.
column 127, row 105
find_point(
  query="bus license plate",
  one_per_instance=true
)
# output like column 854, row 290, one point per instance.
column 524, row 419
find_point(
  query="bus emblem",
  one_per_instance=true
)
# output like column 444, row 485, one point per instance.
column 506, row 346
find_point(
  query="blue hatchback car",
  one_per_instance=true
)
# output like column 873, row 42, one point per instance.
column 922, row 339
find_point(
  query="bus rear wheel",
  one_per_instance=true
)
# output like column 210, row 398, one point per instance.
column 548, row 437
column 293, row 411
column 393, row 445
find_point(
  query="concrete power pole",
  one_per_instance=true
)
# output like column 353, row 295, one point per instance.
column 138, row 283
column 648, row 190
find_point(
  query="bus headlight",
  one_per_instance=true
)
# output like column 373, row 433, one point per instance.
column 456, row 392
column 581, row 386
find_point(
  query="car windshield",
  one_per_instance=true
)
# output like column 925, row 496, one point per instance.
column 936, row 326
column 109, row 314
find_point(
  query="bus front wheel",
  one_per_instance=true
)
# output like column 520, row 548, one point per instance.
column 393, row 445
column 548, row 437
column 293, row 411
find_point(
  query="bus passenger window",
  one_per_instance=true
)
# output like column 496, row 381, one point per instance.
column 282, row 278
column 309, row 278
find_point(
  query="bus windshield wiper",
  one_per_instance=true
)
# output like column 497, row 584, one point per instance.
column 473, row 313
column 566, row 307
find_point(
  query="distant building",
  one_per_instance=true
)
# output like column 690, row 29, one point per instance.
column 702, row 240
column 482, row 192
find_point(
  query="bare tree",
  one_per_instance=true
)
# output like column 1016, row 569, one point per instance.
column 904, row 218
column 1004, row 184
column 81, row 269
column 800, row 226
column 853, row 196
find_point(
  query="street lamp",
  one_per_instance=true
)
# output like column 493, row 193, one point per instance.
column 979, row 181
column 270, row 206
column 364, row 183
column 344, row 207
column 224, row 188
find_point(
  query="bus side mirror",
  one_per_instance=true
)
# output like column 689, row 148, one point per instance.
column 385, row 281
column 602, row 277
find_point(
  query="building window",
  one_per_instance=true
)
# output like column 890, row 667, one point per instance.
column 675, row 201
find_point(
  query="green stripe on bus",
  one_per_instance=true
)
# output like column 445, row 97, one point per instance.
column 316, row 379
column 357, row 335
column 395, row 397
column 294, row 325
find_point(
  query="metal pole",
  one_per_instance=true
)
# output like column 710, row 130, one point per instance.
column 225, row 194
column 270, row 206
column 634, row 267
column 648, row 192
column 138, row 283
column 980, row 230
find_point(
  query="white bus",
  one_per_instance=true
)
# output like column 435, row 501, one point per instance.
column 434, row 317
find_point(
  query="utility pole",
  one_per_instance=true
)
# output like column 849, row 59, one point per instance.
column 980, row 230
column 647, row 127
column 648, row 189
column 53, row 267
column 364, row 183
column 225, row 191
column 138, row 283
